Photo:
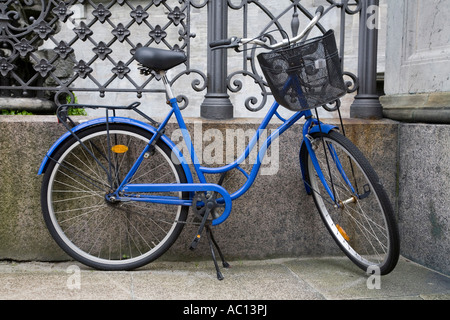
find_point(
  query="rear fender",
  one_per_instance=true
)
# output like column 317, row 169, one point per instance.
column 129, row 121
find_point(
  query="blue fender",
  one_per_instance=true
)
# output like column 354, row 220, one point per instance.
column 129, row 121
column 303, row 156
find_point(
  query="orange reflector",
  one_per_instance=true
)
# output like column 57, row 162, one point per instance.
column 119, row 148
column 342, row 232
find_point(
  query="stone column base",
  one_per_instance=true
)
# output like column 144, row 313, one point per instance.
column 426, row 107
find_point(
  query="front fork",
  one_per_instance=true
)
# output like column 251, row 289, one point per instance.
column 311, row 126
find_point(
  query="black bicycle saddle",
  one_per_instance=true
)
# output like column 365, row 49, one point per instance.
column 159, row 59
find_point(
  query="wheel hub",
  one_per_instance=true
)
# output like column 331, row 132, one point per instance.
column 111, row 199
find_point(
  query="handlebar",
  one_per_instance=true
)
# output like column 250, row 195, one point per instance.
column 224, row 42
column 236, row 43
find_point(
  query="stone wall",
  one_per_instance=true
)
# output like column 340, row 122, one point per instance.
column 411, row 160
column 288, row 223
column 424, row 194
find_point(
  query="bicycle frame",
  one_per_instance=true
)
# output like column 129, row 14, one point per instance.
column 127, row 191
column 201, row 171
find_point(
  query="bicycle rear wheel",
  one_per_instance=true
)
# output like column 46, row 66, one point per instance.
column 361, row 219
column 100, row 233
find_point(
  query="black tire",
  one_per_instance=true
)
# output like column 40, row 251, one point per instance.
column 361, row 221
column 97, row 232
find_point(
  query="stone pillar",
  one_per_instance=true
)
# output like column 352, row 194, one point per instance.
column 417, row 88
column 417, row 79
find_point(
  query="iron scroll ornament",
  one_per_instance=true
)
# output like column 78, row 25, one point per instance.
column 274, row 26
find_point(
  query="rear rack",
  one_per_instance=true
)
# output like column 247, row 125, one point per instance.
column 63, row 117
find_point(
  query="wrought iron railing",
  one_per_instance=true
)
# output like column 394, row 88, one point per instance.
column 47, row 52
column 26, row 25
column 292, row 11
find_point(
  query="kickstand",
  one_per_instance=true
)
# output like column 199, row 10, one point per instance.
column 212, row 241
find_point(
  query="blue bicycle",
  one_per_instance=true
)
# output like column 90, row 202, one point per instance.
column 116, row 191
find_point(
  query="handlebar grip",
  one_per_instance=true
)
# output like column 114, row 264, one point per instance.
column 218, row 43
column 320, row 10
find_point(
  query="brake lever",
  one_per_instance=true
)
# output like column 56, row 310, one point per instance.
column 234, row 43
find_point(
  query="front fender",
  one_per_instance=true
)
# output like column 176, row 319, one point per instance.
column 129, row 121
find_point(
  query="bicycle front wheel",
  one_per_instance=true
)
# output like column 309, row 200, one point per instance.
column 98, row 232
column 361, row 218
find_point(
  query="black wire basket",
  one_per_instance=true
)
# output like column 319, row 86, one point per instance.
column 305, row 76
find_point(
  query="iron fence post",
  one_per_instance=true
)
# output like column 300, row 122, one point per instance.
column 217, row 104
column 367, row 103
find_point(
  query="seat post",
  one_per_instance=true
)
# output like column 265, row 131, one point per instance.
column 169, row 91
